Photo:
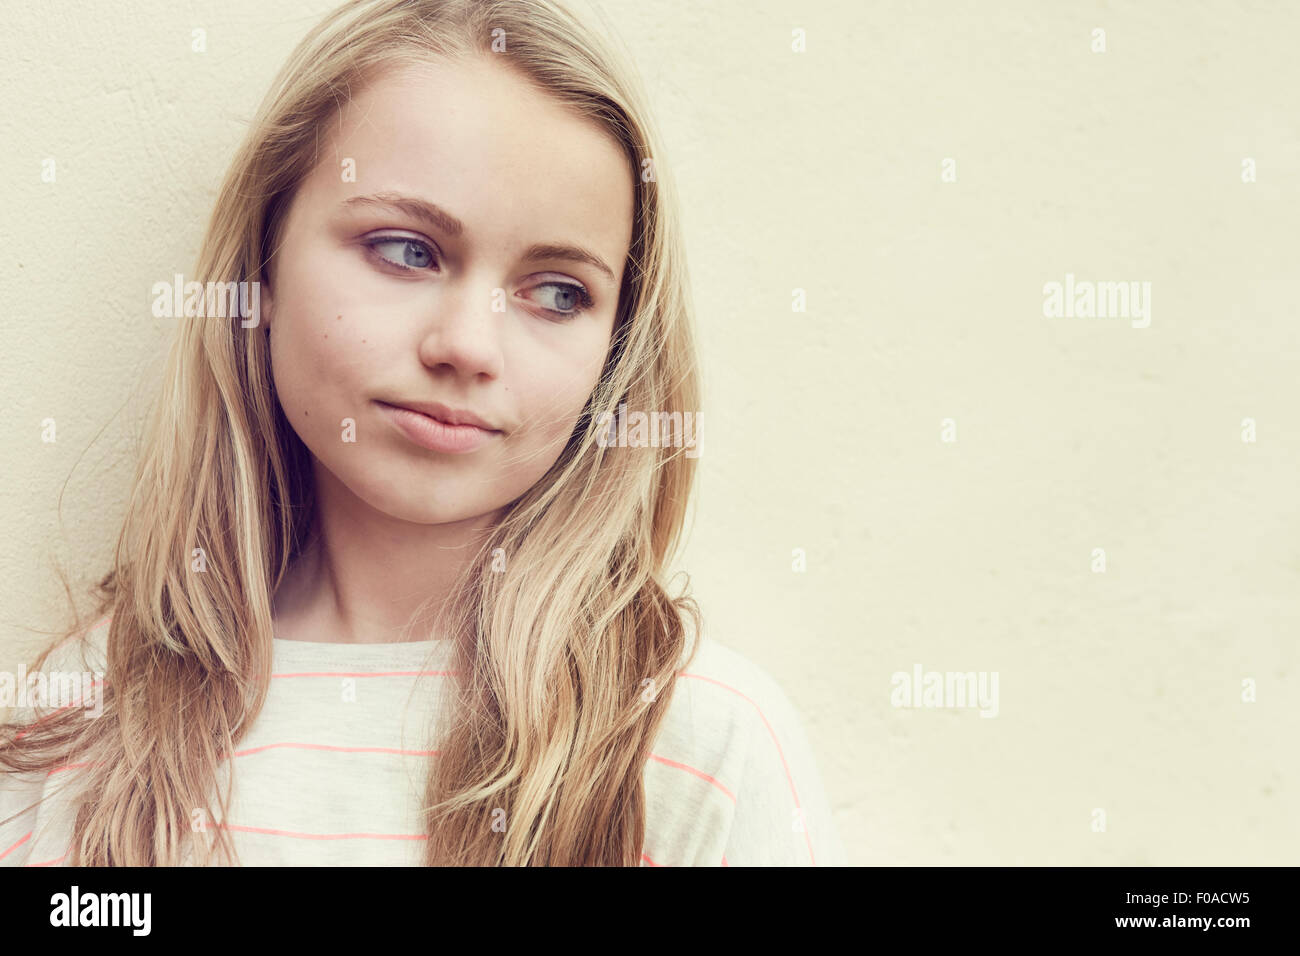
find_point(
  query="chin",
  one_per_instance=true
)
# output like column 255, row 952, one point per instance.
column 433, row 508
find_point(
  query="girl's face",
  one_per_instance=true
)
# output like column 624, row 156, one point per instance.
column 460, row 242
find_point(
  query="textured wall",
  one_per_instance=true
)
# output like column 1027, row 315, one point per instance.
column 1119, row 690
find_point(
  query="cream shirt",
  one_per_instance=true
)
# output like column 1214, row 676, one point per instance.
column 332, row 769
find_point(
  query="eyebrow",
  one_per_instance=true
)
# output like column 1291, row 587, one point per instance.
column 434, row 215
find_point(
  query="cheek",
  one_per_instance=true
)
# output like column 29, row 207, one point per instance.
column 324, row 318
column 315, row 360
column 553, row 394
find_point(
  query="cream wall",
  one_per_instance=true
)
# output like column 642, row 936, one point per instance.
column 1119, row 690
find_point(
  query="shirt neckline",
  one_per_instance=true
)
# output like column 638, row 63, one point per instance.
column 334, row 649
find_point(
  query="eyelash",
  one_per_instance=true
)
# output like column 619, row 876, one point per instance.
column 585, row 301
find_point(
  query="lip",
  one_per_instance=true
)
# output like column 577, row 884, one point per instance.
column 436, row 434
column 445, row 414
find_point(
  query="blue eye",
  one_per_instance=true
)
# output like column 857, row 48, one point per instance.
column 569, row 300
column 410, row 253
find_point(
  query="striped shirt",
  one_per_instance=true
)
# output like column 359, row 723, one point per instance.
column 332, row 771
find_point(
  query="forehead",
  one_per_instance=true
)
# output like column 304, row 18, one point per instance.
column 511, row 162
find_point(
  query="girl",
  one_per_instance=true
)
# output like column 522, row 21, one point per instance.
column 386, row 592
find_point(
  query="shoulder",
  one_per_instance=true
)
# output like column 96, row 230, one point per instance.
column 727, row 695
column 732, row 716
column 720, row 699
column 71, row 673
column 721, row 690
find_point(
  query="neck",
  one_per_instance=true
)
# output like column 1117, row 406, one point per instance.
column 366, row 577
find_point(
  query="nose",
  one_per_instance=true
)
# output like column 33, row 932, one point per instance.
column 462, row 335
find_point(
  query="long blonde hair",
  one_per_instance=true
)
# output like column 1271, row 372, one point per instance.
column 550, row 721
